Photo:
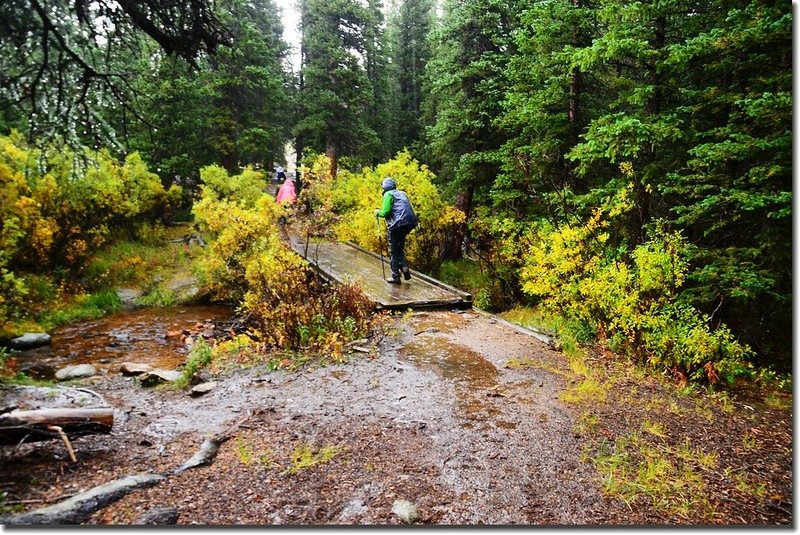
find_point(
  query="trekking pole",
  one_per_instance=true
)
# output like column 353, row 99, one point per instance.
column 380, row 244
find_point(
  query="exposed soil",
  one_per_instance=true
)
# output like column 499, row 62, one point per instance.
column 439, row 414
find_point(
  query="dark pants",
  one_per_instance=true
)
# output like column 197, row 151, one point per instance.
column 397, row 245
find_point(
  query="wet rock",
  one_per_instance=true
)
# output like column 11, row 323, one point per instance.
column 30, row 340
column 76, row 372
column 161, row 515
column 128, row 296
column 352, row 510
column 134, row 368
column 406, row 511
column 49, row 397
column 156, row 377
column 203, row 388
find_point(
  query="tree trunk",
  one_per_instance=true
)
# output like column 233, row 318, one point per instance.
column 574, row 103
column 332, row 153
column 453, row 240
column 32, row 425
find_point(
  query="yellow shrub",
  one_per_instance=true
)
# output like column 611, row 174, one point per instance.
column 628, row 298
column 355, row 197
column 58, row 206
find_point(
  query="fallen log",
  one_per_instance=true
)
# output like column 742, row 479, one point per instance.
column 78, row 508
column 41, row 424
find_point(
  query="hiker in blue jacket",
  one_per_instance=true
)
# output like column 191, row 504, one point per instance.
column 400, row 220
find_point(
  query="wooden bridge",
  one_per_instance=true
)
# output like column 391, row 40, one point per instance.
column 347, row 262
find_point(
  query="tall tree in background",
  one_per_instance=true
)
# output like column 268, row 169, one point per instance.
column 548, row 105
column 468, row 79
column 252, row 105
column 382, row 107
column 232, row 109
column 336, row 92
column 410, row 27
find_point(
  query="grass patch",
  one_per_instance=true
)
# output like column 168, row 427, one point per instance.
column 526, row 362
column 634, row 470
column 467, row 275
column 587, row 424
column 133, row 263
column 200, row 356
column 158, row 296
column 568, row 335
column 84, row 307
column 248, row 456
column 304, row 456
column 589, row 390
column 779, row 401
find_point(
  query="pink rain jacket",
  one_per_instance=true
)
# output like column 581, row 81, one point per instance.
column 287, row 193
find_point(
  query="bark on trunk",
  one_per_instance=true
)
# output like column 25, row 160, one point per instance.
column 574, row 102
column 332, row 153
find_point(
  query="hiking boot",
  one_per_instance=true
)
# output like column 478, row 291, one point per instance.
column 394, row 281
column 406, row 273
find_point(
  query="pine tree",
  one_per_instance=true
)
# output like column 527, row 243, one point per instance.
column 410, row 25
column 548, row 105
column 733, row 194
column 336, row 92
column 467, row 85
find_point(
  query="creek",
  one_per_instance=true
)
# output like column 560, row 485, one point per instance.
column 154, row 336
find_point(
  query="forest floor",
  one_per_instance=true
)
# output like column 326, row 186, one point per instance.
column 472, row 422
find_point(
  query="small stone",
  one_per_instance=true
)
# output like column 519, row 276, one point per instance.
column 30, row 340
column 155, row 377
column 76, row 372
column 406, row 511
column 157, row 515
column 134, row 368
column 203, row 388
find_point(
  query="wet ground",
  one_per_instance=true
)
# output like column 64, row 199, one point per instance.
column 435, row 414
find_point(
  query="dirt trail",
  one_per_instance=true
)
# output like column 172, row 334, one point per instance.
column 434, row 416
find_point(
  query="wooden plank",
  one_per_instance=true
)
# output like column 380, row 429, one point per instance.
column 347, row 262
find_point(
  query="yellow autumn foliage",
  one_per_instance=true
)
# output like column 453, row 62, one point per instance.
column 58, row 205
column 629, row 298
column 353, row 197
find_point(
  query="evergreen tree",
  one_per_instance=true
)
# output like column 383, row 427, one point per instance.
column 548, row 105
column 467, row 77
column 410, row 25
column 733, row 193
column 233, row 109
column 335, row 91
column 382, row 106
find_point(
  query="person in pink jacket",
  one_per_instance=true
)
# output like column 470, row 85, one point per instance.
column 286, row 193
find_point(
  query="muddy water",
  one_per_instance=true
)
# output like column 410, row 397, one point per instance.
column 475, row 378
column 154, row 336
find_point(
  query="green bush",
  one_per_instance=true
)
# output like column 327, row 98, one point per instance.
column 630, row 298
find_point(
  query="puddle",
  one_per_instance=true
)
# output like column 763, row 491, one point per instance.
column 472, row 374
column 452, row 361
column 446, row 322
column 149, row 335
